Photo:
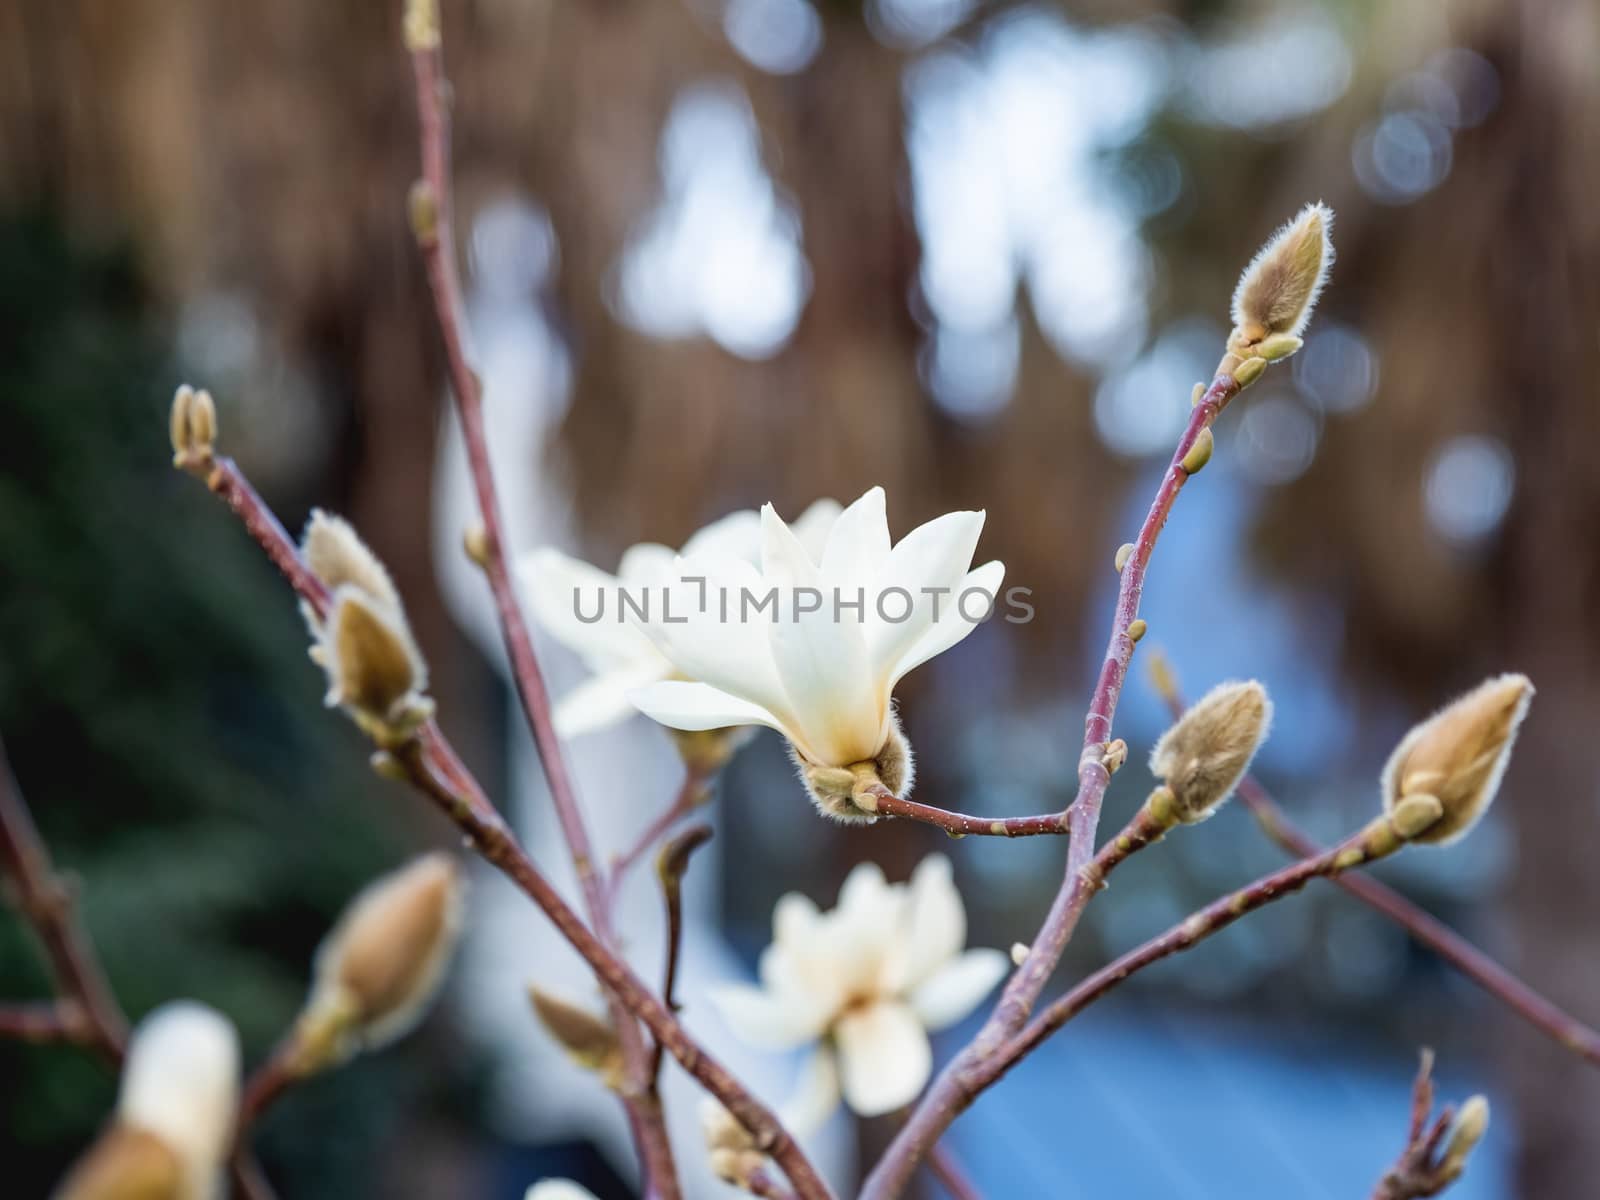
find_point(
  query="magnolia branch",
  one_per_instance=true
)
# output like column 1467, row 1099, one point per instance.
column 431, row 764
column 86, row 1005
column 951, row 1092
column 85, row 1011
column 1381, row 837
column 1436, row 1148
column 1530, row 1005
column 431, row 214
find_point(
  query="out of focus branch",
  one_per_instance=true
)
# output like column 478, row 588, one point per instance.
column 86, row 1003
column 951, row 1176
column 431, row 210
column 1427, row 929
column 1436, row 1152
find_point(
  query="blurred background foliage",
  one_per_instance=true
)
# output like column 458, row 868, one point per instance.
column 724, row 252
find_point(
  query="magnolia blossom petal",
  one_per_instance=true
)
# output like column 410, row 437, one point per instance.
column 579, row 606
column 953, row 625
column 884, row 1055
column 858, row 546
column 821, row 660
column 738, row 534
column 647, row 564
column 936, row 918
column 866, row 933
column 958, row 987
column 701, row 627
column 816, row 1094
column 924, row 572
column 558, row 1189
column 814, row 526
column 679, row 704
column 770, row 1020
column 604, row 699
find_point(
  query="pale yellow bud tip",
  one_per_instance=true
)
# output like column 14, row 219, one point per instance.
column 192, row 426
column 421, row 25
column 1466, row 1131
column 1279, row 288
column 1203, row 756
column 1459, row 755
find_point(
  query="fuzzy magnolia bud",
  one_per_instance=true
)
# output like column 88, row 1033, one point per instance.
column 375, row 670
column 732, row 1149
column 590, row 1041
column 173, row 1128
column 380, row 967
column 847, row 793
column 1466, row 1131
column 1458, row 755
column 1201, row 758
column 1279, row 288
column 193, row 427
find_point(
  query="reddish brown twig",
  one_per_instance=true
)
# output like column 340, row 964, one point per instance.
column 1376, row 840
column 951, row 1090
column 691, row 795
column 432, row 220
column 760, row 1182
column 950, row 1175
column 1423, row 1167
column 671, row 864
column 1427, row 929
column 887, row 804
column 45, row 1023
column 432, row 765
column 86, row 1012
column 46, row 902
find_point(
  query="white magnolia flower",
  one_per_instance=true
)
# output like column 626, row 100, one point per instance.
column 868, row 981
column 819, row 662
column 563, row 590
column 558, row 1189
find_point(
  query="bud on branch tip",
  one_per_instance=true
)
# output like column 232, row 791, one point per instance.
column 1202, row 757
column 1279, row 288
column 1458, row 756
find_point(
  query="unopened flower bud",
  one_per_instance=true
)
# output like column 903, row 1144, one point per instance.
column 1248, row 371
column 848, row 793
column 192, row 427
column 1020, row 952
column 1199, row 453
column 381, row 966
column 421, row 25
column 1124, row 553
column 173, row 1128
column 732, row 1149
column 1202, row 757
column 1137, row 629
column 1458, row 755
column 375, row 670
column 1279, row 288
column 1466, row 1131
column 1278, row 346
column 337, row 556
column 589, row 1041
column 1114, row 755
column 475, row 541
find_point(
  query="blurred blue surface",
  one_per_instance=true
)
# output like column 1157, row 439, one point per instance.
column 1149, row 1105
